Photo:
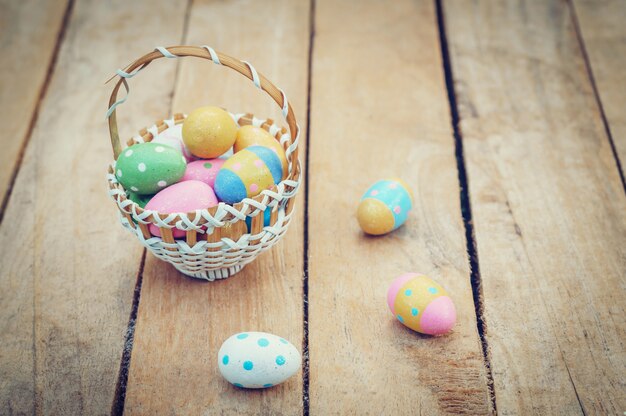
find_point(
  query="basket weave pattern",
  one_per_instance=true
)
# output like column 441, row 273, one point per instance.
column 217, row 243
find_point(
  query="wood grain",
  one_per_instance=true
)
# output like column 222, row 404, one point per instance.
column 379, row 109
column 549, row 208
column 182, row 322
column 68, row 268
column 604, row 35
column 28, row 34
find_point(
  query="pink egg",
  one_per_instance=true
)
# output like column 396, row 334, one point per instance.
column 203, row 170
column 182, row 197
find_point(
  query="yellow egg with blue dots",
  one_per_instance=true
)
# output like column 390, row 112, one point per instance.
column 422, row 304
column 385, row 206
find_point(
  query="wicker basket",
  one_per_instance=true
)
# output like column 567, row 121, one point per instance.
column 217, row 243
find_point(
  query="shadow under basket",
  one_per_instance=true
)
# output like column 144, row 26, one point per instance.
column 218, row 241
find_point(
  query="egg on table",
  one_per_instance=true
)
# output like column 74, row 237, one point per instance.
column 146, row 168
column 256, row 360
column 204, row 170
column 251, row 135
column 247, row 173
column 182, row 197
column 421, row 304
column 384, row 207
column 209, row 132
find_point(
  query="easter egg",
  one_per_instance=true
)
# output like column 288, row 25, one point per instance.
column 208, row 132
column 384, row 207
column 247, row 173
column 182, row 197
column 140, row 200
column 146, row 168
column 252, row 135
column 255, row 360
column 173, row 137
column 421, row 304
column 266, row 219
column 204, row 170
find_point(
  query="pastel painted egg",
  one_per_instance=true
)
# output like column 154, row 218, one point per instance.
column 204, row 170
column 146, row 168
column 255, row 360
column 247, row 173
column 209, row 132
column 251, row 135
column 140, row 200
column 173, row 136
column 182, row 197
column 266, row 219
column 421, row 304
column 384, row 207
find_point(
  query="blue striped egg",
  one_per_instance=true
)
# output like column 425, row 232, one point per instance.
column 385, row 206
column 247, row 173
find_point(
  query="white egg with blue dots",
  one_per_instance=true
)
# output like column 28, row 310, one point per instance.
column 256, row 360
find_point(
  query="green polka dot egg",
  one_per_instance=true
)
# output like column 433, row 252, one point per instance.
column 146, row 168
column 256, row 360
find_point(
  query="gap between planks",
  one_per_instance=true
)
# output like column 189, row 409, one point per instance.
column 122, row 379
column 119, row 399
column 305, row 264
column 596, row 93
column 466, row 207
column 42, row 94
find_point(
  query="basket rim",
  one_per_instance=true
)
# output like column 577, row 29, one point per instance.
column 184, row 246
column 248, row 207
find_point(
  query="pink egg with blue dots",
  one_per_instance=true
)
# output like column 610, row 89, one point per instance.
column 256, row 360
column 422, row 304
column 204, row 170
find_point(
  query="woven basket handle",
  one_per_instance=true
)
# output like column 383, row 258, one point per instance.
column 205, row 52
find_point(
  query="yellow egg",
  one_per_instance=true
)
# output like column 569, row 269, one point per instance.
column 252, row 135
column 209, row 132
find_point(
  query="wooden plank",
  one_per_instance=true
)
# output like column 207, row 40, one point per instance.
column 549, row 208
column 68, row 268
column 28, row 35
column 181, row 322
column 379, row 109
column 604, row 34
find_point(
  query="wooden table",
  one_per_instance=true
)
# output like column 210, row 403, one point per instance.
column 506, row 117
